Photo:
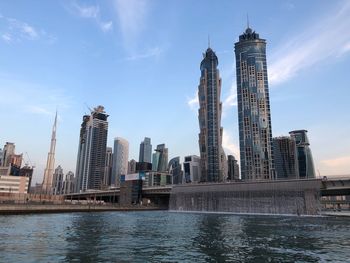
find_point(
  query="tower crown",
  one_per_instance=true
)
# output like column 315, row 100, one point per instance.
column 249, row 34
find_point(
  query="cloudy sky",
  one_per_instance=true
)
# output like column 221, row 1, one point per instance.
column 140, row 59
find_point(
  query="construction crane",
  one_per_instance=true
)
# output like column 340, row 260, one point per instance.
column 30, row 162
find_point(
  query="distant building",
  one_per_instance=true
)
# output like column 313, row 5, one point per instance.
column 92, row 150
column 69, row 183
column 145, row 154
column 49, row 170
column 192, row 171
column 305, row 160
column 175, row 170
column 1, row 156
column 213, row 159
column 108, row 167
column 132, row 166
column 233, row 168
column 286, row 157
column 120, row 160
column 57, row 181
column 254, row 118
column 8, row 151
column 160, row 159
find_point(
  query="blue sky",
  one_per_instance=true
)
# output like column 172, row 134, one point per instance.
column 140, row 59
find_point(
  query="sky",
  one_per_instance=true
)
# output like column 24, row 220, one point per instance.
column 140, row 60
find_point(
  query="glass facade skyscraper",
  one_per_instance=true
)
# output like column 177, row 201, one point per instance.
column 145, row 151
column 213, row 159
column 286, row 160
column 305, row 160
column 92, row 150
column 120, row 160
column 255, row 137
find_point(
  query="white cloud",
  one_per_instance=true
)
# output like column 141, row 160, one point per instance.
column 87, row 11
column 193, row 102
column 93, row 12
column 29, row 31
column 321, row 41
column 106, row 26
column 153, row 52
column 131, row 16
column 229, row 146
column 38, row 110
column 231, row 99
column 6, row 37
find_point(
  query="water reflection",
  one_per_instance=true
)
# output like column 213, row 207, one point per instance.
column 84, row 237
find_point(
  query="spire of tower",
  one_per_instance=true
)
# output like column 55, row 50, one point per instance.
column 208, row 41
column 247, row 20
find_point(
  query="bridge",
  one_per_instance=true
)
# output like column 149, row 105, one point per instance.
column 330, row 187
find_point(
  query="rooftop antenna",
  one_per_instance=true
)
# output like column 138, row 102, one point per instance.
column 247, row 20
column 208, row 41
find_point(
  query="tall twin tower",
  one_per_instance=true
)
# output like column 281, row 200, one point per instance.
column 255, row 137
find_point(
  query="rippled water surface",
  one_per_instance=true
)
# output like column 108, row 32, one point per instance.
column 172, row 237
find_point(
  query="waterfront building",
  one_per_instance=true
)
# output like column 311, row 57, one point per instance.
column 213, row 159
column 69, row 183
column 175, row 171
column 145, row 154
column 50, row 163
column 132, row 166
column 108, row 167
column 192, row 171
column 57, row 181
column 8, row 151
column 233, row 168
column 120, row 160
column 14, row 184
column 92, row 150
column 305, row 160
column 254, row 118
column 286, row 159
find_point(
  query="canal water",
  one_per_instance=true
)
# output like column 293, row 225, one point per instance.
column 163, row 236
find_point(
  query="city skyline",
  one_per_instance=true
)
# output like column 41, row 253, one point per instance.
column 307, row 64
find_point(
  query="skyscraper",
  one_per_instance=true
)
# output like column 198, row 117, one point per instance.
column 8, row 151
column 108, row 167
column 174, row 168
column 255, row 137
column 120, row 160
column 57, row 181
column 47, row 180
column 92, row 150
column 305, row 160
column 192, row 171
column 213, row 159
column 145, row 151
column 233, row 168
column 160, row 158
column 132, row 166
column 286, row 158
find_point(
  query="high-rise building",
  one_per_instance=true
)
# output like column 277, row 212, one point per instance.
column 1, row 156
column 255, row 137
column 305, row 160
column 160, row 159
column 145, row 155
column 213, row 159
column 175, row 170
column 57, row 181
column 120, row 160
column 132, row 166
column 92, row 150
column 286, row 157
column 108, row 167
column 69, row 183
column 8, row 151
column 47, row 180
column 192, row 171
column 233, row 168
